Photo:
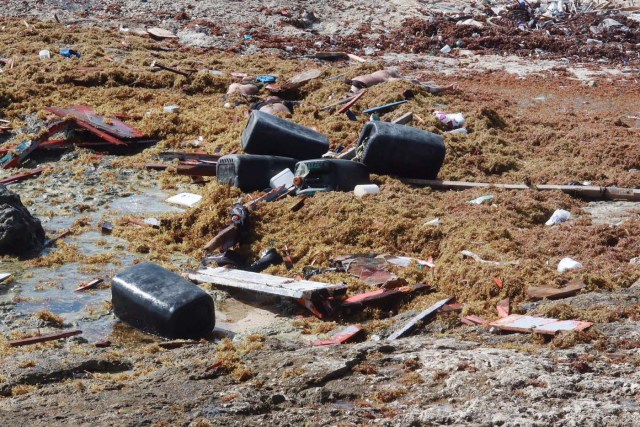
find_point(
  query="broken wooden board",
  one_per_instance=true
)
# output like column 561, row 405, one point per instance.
column 586, row 191
column 266, row 283
column 87, row 118
column 473, row 320
column 420, row 317
column 349, row 333
column 381, row 295
column 541, row 325
column 504, row 308
column 541, row 292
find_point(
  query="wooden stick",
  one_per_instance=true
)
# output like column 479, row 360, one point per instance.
column 90, row 285
column 588, row 191
column 43, row 338
column 351, row 103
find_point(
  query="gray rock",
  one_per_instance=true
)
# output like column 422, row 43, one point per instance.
column 20, row 232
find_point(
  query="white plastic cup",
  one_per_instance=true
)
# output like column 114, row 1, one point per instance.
column 44, row 54
column 363, row 190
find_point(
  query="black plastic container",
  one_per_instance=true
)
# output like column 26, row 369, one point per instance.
column 251, row 172
column 404, row 151
column 332, row 174
column 159, row 301
column 272, row 135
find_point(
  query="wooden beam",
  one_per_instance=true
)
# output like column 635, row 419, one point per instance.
column 266, row 283
column 587, row 191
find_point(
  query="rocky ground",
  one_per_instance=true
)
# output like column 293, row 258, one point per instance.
column 553, row 105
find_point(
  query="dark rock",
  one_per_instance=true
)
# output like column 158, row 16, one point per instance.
column 20, row 232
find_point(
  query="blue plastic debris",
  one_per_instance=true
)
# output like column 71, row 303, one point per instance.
column 266, row 79
column 68, row 53
column 384, row 107
column 248, row 37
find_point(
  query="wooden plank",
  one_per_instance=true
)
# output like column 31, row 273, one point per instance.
column 403, row 119
column 351, row 103
column 265, row 283
column 420, row 317
column 43, row 338
column 473, row 320
column 504, row 308
column 588, row 191
column 541, row 292
column 347, row 334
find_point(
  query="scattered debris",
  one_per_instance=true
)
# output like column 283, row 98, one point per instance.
column 185, row 199
column 6, row 278
column 558, row 216
column 567, row 264
column 473, row 320
column 542, row 292
column 43, row 338
column 313, row 294
column 504, row 308
column 587, row 191
column 480, row 200
column 159, row 301
column 419, row 319
column 161, row 33
column 348, row 334
column 92, row 284
column 469, row 254
column 540, row 325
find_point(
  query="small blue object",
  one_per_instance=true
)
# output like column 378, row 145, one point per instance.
column 375, row 117
column 351, row 116
column 340, row 148
column 248, row 37
column 68, row 53
column 266, row 79
column 384, row 107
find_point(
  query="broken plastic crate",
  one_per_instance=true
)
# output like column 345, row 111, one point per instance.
column 271, row 135
column 332, row 174
column 251, row 172
column 404, row 151
column 159, row 301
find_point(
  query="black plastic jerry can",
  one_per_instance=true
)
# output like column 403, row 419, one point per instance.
column 159, row 301
column 251, row 172
column 331, row 174
column 404, row 151
column 272, row 135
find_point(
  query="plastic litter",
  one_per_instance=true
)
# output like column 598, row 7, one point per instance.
column 434, row 222
column 185, row 199
column 363, row 190
column 159, row 301
column 451, row 121
column 480, row 200
column 446, row 49
column 266, row 79
column 44, row 54
column 171, row 109
column 284, row 177
column 567, row 264
column 559, row 216
column 68, row 53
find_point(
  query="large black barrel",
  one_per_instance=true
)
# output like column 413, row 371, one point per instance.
column 404, row 151
column 159, row 301
column 332, row 174
column 269, row 134
column 250, row 172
